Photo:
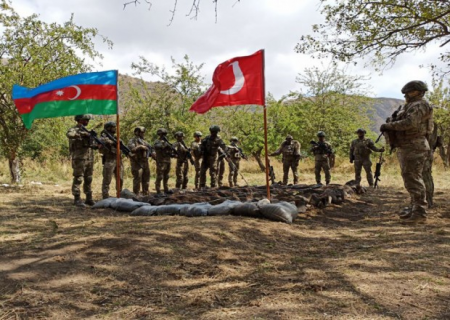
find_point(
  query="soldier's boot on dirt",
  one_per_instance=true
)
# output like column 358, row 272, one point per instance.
column 230, row 183
column 327, row 182
column 418, row 215
column 405, row 213
column 235, row 183
column 89, row 201
column 78, row 202
column 166, row 189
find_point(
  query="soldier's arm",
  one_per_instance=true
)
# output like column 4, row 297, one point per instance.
column 373, row 147
column 352, row 150
column 73, row 133
column 278, row 151
column 132, row 145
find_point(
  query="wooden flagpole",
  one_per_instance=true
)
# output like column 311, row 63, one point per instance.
column 266, row 151
column 118, row 186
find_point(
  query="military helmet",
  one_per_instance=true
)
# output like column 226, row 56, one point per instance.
column 179, row 134
column 360, row 130
column 234, row 139
column 110, row 124
column 83, row 117
column 415, row 85
column 214, row 128
column 289, row 137
column 197, row 134
column 139, row 130
column 161, row 131
column 321, row 134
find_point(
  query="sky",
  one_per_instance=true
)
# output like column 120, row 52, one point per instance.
column 242, row 28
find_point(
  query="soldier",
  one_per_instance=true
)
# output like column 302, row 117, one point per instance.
column 80, row 146
column 360, row 150
column 210, row 153
column 182, row 168
column 164, row 152
column 196, row 154
column 290, row 149
column 408, row 132
column 235, row 154
column 141, row 150
column 322, row 155
column 109, row 159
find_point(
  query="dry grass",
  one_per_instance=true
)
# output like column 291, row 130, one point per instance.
column 354, row 261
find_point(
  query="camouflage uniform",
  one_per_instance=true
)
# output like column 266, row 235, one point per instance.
column 322, row 152
column 290, row 149
column 360, row 150
column 411, row 126
column 220, row 170
column 210, row 152
column 182, row 168
column 235, row 158
column 109, row 160
column 196, row 154
column 163, row 154
column 428, row 166
column 82, row 155
column 140, row 168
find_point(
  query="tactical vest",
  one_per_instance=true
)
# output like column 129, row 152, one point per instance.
column 424, row 129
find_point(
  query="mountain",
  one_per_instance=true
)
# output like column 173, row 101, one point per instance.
column 383, row 108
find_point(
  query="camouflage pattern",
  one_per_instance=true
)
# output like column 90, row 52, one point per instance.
column 182, row 168
column 290, row 149
column 196, row 154
column 235, row 158
column 80, row 147
column 210, row 152
column 360, row 150
column 109, row 160
column 322, row 161
column 220, row 171
column 140, row 168
column 427, row 173
column 163, row 155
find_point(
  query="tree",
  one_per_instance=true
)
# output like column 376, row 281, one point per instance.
column 33, row 52
column 381, row 30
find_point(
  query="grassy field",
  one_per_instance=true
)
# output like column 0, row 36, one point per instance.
column 354, row 261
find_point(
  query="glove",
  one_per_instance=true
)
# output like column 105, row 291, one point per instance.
column 382, row 149
column 385, row 127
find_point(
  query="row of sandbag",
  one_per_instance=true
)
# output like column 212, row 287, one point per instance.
column 281, row 211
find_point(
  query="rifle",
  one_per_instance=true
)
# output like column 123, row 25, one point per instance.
column 123, row 147
column 174, row 151
column 94, row 136
column 378, row 171
column 149, row 148
column 188, row 153
column 322, row 146
column 243, row 156
column 232, row 165
column 271, row 173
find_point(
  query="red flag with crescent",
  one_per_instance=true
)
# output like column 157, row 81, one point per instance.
column 237, row 81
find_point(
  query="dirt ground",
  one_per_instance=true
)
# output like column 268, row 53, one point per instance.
column 354, row 261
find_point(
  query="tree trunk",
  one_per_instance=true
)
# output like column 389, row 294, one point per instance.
column 443, row 156
column 14, row 168
column 448, row 155
column 257, row 155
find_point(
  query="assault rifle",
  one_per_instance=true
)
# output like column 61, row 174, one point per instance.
column 123, row 147
column 94, row 136
column 241, row 153
column 378, row 171
column 174, row 151
column 322, row 146
column 149, row 150
column 232, row 165
column 271, row 173
column 188, row 153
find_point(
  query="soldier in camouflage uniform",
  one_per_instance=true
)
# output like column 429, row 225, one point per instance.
column 164, row 153
column 360, row 150
column 80, row 145
column 322, row 152
column 410, row 127
column 235, row 154
column 141, row 150
column 210, row 153
column 182, row 168
column 196, row 154
column 109, row 159
column 290, row 149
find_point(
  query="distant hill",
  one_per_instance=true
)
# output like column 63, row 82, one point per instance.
column 384, row 107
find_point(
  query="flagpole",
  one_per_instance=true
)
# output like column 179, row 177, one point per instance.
column 266, row 151
column 118, row 186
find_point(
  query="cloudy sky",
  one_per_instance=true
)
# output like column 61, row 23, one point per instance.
column 241, row 28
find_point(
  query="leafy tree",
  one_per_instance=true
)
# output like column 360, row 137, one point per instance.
column 381, row 30
column 33, row 52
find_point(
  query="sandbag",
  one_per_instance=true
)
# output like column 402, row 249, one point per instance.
column 247, row 209
column 105, row 203
column 170, row 209
column 127, row 205
column 196, row 210
column 127, row 194
column 147, row 210
column 223, row 209
column 282, row 211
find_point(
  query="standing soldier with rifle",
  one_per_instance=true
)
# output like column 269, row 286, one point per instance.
column 164, row 152
column 140, row 153
column 236, row 154
column 414, row 122
column 210, row 152
column 80, row 147
column 109, row 158
column 323, row 156
column 196, row 153
column 290, row 149
column 360, row 150
column 184, row 155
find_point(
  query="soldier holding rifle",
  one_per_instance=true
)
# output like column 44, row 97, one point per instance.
column 290, row 149
column 323, row 156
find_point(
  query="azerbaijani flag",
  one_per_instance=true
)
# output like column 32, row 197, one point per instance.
column 94, row 92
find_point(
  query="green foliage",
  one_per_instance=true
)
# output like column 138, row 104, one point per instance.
column 440, row 98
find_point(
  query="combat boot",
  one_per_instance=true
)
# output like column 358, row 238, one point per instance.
column 418, row 215
column 89, row 200
column 78, row 202
column 405, row 213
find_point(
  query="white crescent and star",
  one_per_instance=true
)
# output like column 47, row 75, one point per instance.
column 239, row 81
column 60, row 93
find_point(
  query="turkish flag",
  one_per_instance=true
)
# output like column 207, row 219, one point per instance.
column 236, row 81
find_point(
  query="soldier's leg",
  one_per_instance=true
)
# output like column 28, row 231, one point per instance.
column 428, row 179
column 294, row 168
column 286, row 167
column 236, row 172
column 213, row 172
column 197, row 167
column 221, row 171
column 136, row 171
column 179, row 174
column 358, row 168
column 317, row 168
column 159, row 177
column 185, row 174
column 87, row 185
column 145, row 178
column 108, row 171
column 77, row 166
column 203, row 169
column 326, row 170
column 367, row 164
column 230, row 175
column 166, row 172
